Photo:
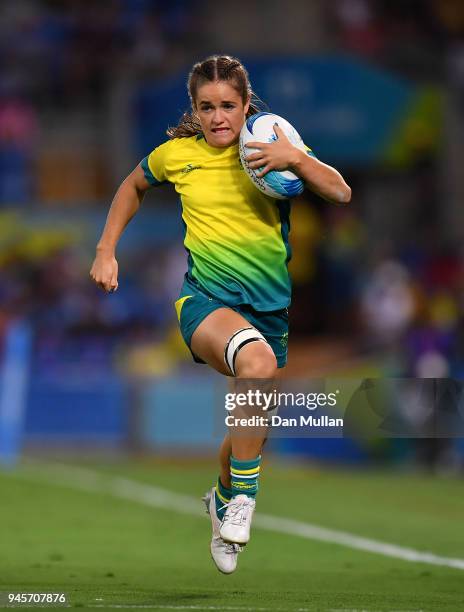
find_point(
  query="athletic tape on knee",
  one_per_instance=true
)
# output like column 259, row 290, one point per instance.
column 237, row 341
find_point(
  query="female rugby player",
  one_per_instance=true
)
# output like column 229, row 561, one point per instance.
column 232, row 308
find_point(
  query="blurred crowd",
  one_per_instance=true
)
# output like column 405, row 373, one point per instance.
column 64, row 53
column 415, row 37
column 403, row 301
column 63, row 56
column 78, row 329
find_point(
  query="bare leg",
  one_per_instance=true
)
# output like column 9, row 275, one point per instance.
column 255, row 361
column 224, row 459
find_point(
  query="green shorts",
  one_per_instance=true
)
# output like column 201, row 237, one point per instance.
column 195, row 304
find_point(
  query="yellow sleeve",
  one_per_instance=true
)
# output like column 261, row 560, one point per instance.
column 154, row 165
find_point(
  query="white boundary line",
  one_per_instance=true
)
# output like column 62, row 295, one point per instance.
column 231, row 608
column 202, row 607
column 156, row 497
column 214, row 608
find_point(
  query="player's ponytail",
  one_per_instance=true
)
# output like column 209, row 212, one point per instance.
column 214, row 68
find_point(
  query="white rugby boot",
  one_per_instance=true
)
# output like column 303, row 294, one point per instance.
column 236, row 524
column 224, row 554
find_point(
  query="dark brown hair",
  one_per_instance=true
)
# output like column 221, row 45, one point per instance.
column 214, row 68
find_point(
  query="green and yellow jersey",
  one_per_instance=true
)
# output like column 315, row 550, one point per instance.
column 236, row 237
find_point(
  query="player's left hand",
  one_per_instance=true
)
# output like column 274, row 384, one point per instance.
column 277, row 155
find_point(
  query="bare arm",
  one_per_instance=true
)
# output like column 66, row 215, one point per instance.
column 319, row 177
column 126, row 203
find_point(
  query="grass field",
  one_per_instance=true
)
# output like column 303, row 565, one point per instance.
column 63, row 533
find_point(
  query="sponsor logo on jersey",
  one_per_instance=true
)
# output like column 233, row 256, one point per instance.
column 188, row 168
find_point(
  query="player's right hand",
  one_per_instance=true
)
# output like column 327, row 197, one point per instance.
column 104, row 272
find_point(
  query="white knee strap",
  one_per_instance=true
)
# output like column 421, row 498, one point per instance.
column 237, row 341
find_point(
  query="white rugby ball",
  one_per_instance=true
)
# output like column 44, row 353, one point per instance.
column 260, row 127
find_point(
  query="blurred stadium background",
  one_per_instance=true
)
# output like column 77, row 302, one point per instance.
column 87, row 89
